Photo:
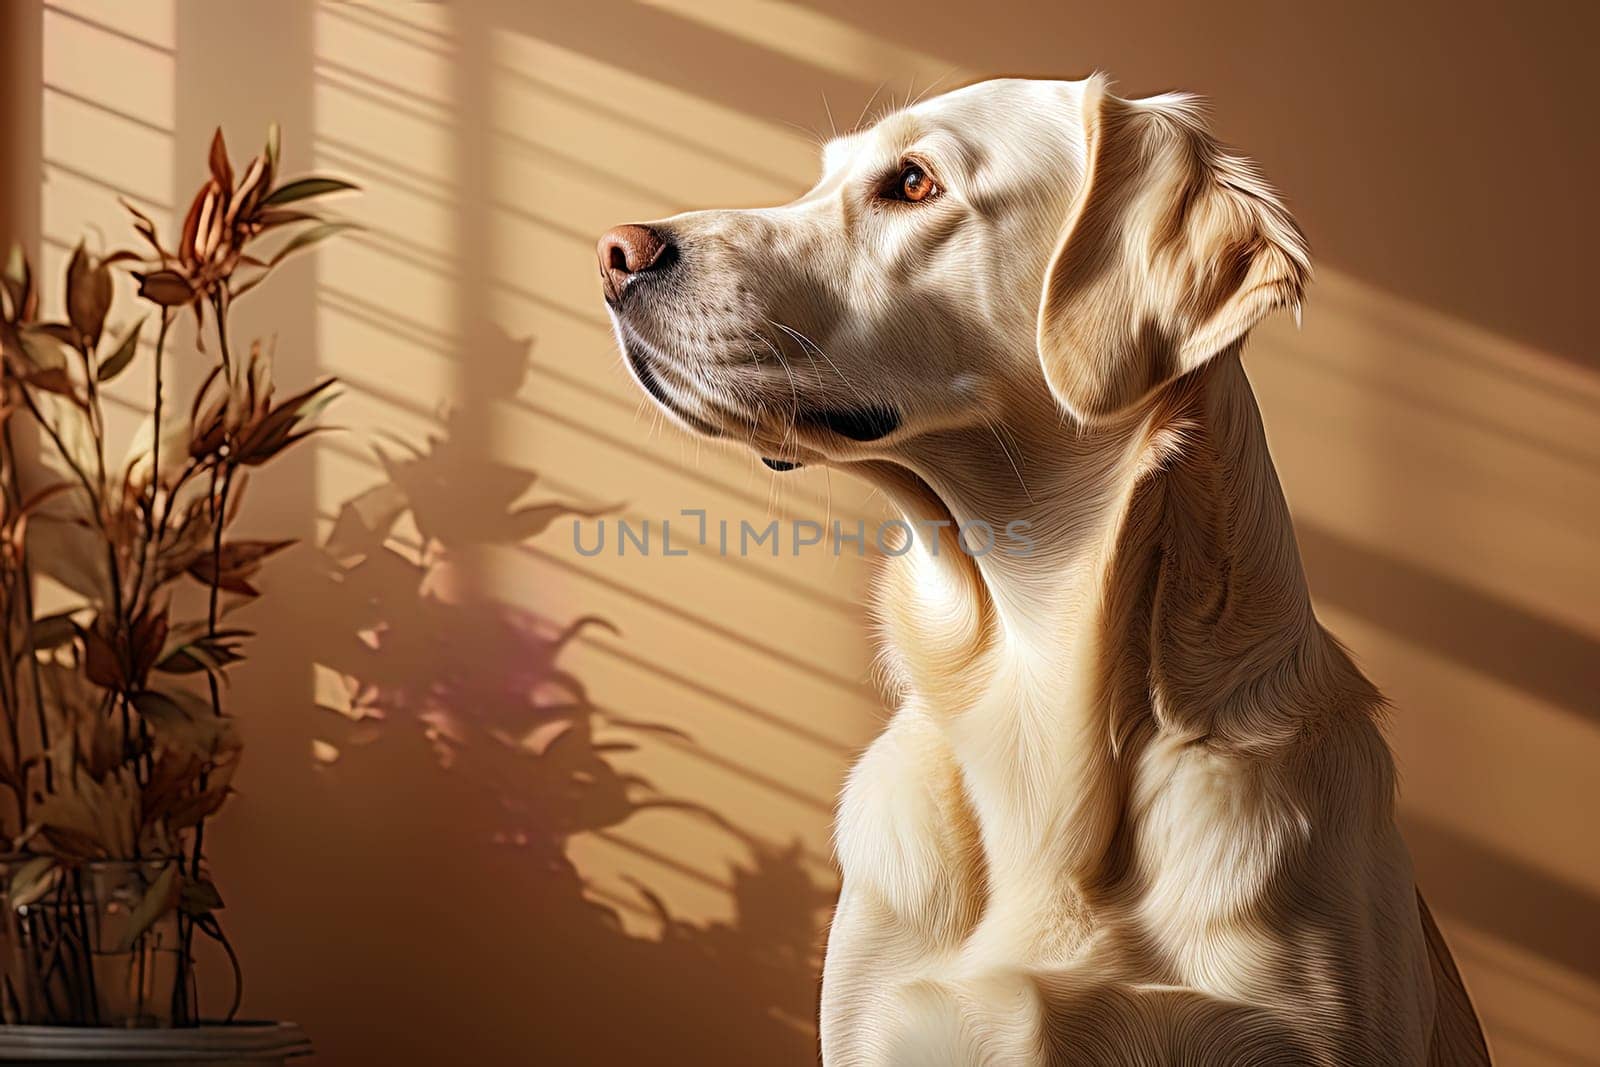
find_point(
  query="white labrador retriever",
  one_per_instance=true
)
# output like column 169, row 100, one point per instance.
column 1133, row 805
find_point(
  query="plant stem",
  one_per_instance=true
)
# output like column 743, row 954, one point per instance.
column 143, row 588
column 153, row 532
column 97, row 429
column 219, row 519
column 216, row 564
column 91, row 987
column 114, row 575
column 219, row 303
column 189, row 471
column 97, row 418
column 61, row 447
column 211, row 631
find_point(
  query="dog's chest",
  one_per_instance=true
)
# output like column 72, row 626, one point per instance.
column 911, row 839
column 918, row 898
column 965, row 869
column 1015, row 726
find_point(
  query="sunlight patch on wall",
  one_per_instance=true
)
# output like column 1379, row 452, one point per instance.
column 107, row 112
column 1456, row 714
column 758, row 662
column 1458, row 451
column 642, row 137
column 149, row 24
column 823, row 42
column 386, row 295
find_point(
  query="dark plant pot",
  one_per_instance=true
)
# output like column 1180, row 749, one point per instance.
column 260, row 1044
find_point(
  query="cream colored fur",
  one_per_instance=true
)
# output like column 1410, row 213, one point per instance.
column 1134, row 805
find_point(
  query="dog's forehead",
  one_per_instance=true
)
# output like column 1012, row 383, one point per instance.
column 998, row 111
column 999, row 100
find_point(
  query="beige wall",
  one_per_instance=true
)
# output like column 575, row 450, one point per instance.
column 1436, row 424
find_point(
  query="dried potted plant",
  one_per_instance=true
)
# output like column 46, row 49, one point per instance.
column 115, row 741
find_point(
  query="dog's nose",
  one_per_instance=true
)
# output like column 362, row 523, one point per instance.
column 629, row 250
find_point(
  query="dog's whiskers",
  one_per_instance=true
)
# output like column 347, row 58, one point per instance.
column 807, row 345
column 868, row 105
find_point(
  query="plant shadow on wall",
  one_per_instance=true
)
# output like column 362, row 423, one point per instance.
column 428, row 666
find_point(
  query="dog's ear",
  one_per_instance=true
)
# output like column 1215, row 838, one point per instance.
column 1172, row 252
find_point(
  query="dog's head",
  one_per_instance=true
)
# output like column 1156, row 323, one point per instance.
column 955, row 260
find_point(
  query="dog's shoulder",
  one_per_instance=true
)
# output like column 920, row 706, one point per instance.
column 905, row 832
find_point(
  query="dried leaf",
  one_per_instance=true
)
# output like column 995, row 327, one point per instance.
column 272, row 434
column 146, row 638
column 160, row 898
column 146, row 228
column 42, row 348
column 191, row 222
column 308, row 237
column 88, row 295
column 239, row 560
column 252, row 187
column 172, row 775
column 324, row 753
column 200, row 897
column 43, row 496
column 209, row 232
column 182, row 721
column 104, row 749
column 187, row 660
column 221, row 169
column 274, row 217
column 315, row 401
column 86, row 818
column 204, row 389
column 18, row 285
column 274, row 139
column 31, row 882
column 166, row 287
column 304, row 189
column 158, row 707
column 59, row 331
column 236, row 290
column 53, row 631
column 72, row 555
column 191, row 809
column 211, row 654
column 55, row 380
column 181, row 633
column 302, row 405
column 101, row 663
column 120, row 359
column 262, row 455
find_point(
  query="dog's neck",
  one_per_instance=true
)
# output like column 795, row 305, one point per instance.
column 1162, row 594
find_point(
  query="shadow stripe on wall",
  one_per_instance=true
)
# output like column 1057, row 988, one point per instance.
column 1482, row 632
column 1472, row 884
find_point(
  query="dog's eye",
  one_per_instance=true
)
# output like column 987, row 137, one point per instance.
column 913, row 185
